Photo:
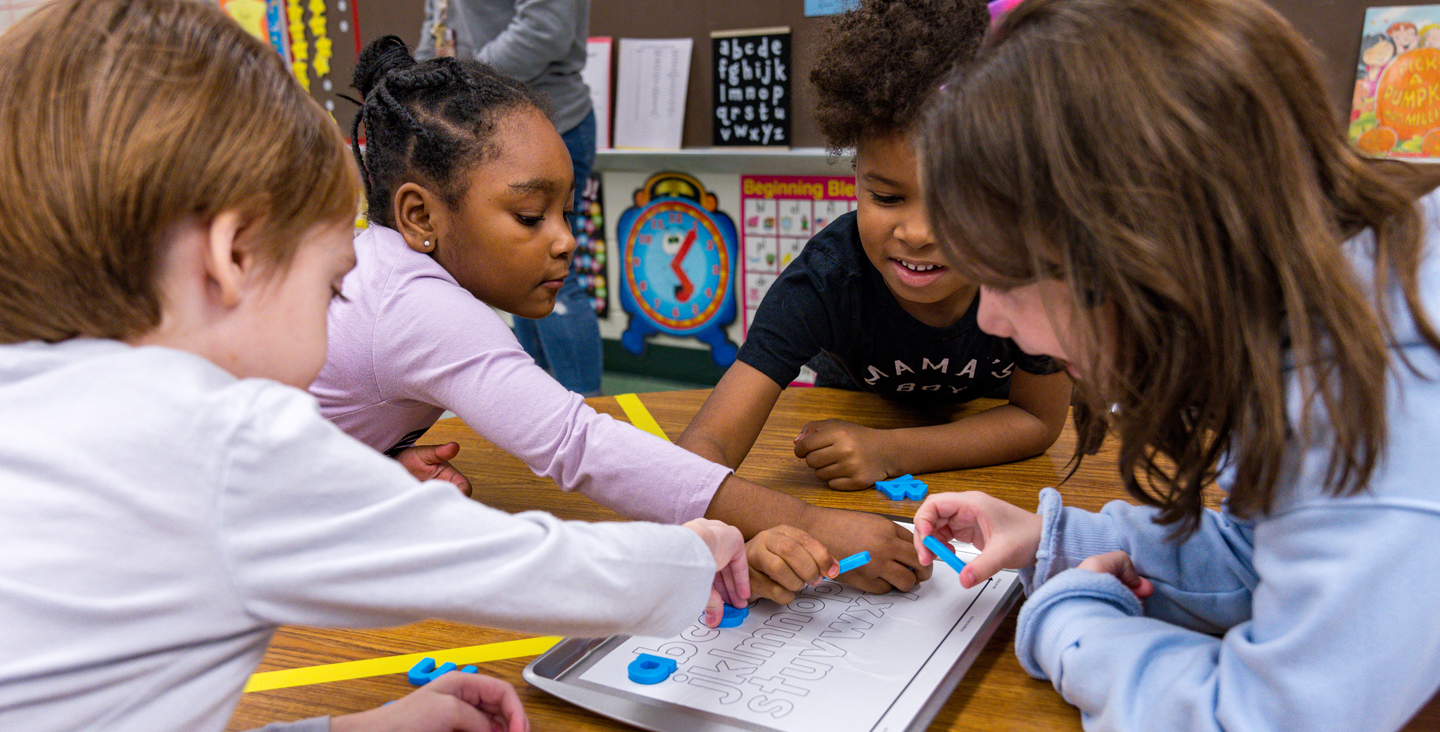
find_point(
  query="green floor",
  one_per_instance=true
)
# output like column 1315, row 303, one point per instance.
column 612, row 383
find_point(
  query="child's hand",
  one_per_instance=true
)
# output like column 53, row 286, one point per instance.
column 843, row 454
column 1006, row 535
column 432, row 462
column 732, row 581
column 893, row 563
column 1118, row 563
column 454, row 702
column 784, row 560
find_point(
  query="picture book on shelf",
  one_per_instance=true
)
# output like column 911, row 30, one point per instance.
column 1395, row 109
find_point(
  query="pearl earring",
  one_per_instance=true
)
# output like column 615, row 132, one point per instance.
column 427, row 243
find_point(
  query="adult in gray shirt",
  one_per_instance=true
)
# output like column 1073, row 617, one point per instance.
column 542, row 43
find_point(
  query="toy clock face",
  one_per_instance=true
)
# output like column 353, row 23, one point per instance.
column 677, row 266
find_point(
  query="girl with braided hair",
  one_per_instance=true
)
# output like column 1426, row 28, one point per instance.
column 469, row 188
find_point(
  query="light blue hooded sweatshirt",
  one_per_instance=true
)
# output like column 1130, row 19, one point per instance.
column 1323, row 614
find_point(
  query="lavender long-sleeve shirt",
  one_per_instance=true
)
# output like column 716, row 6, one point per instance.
column 408, row 343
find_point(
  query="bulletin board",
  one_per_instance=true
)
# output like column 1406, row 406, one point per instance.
column 781, row 213
column 836, row 659
column 590, row 248
column 1331, row 25
column 319, row 40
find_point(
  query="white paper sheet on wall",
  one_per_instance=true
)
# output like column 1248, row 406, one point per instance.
column 11, row 11
column 597, row 76
column 654, row 74
column 835, row 659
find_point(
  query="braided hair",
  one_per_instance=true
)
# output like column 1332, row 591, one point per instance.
column 428, row 122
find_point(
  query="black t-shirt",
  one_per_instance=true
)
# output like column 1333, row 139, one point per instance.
column 831, row 304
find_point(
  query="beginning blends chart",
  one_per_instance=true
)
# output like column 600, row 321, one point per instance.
column 836, row 658
column 781, row 213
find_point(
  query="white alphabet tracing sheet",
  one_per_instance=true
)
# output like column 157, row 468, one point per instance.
column 835, row 659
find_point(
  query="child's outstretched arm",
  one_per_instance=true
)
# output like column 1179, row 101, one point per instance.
column 725, row 429
column 753, row 508
column 850, row 457
column 728, row 422
column 455, row 701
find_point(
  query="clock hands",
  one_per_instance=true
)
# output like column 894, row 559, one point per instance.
column 685, row 289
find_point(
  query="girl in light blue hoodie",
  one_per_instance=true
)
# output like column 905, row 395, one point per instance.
column 1242, row 300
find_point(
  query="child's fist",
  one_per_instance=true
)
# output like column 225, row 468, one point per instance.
column 1118, row 563
column 455, row 701
column 432, row 462
column 847, row 456
column 784, row 560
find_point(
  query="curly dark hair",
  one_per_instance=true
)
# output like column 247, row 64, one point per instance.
column 879, row 62
column 426, row 121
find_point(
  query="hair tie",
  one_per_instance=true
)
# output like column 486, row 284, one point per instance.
column 1001, row 7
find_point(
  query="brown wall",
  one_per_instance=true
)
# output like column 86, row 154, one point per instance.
column 1333, row 26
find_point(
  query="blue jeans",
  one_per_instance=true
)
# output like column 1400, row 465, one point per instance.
column 567, row 341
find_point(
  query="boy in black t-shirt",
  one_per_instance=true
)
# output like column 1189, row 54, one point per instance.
column 871, row 294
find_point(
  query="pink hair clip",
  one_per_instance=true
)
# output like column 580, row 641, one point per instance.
column 1001, row 7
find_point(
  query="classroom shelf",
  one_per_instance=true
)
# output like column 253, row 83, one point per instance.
column 795, row 161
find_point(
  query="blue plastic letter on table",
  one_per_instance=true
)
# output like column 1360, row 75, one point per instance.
column 906, row 487
column 651, row 669
column 424, row 672
column 733, row 616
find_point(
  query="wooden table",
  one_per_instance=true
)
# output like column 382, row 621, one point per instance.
column 996, row 694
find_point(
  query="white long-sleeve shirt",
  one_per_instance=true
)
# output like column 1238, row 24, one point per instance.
column 161, row 518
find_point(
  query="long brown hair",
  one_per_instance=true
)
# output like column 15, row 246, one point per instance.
column 1174, row 163
column 120, row 119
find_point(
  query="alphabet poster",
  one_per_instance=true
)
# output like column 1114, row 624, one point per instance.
column 752, row 88
column 782, row 212
column 834, row 659
column 1395, row 110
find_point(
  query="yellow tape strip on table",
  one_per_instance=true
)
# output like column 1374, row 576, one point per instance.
column 639, row 415
column 398, row 664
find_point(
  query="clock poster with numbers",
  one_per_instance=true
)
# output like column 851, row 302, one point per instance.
column 677, row 253
column 781, row 213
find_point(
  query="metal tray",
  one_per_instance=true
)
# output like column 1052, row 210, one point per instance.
column 558, row 672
